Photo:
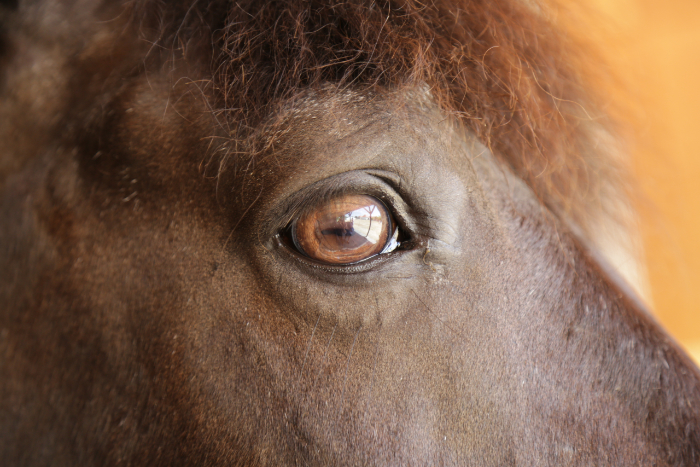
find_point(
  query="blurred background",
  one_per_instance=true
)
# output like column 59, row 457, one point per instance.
column 654, row 47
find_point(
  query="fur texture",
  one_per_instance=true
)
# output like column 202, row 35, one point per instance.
column 515, row 79
column 153, row 154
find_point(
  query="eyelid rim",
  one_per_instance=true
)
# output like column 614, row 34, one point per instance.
column 385, row 185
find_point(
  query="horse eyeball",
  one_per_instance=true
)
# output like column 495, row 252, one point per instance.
column 345, row 230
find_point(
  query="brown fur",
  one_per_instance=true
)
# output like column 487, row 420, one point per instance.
column 153, row 154
column 526, row 90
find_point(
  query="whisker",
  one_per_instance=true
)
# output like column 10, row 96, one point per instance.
column 454, row 331
column 376, row 358
column 347, row 366
column 308, row 346
column 223, row 248
column 325, row 353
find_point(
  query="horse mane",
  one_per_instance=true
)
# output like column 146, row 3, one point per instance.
column 520, row 83
column 513, row 72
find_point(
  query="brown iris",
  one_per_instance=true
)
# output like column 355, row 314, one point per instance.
column 344, row 230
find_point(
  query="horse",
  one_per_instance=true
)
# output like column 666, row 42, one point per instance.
column 312, row 232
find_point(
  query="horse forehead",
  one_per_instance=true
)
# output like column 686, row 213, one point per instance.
column 341, row 112
column 400, row 130
column 403, row 133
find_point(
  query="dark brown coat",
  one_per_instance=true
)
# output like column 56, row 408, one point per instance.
column 153, row 310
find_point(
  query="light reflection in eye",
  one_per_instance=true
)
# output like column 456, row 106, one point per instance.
column 345, row 230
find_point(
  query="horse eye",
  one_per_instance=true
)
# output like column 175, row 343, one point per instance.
column 345, row 230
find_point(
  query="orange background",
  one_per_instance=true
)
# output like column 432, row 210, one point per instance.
column 654, row 46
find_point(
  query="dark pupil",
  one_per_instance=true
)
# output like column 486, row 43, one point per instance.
column 338, row 232
column 342, row 234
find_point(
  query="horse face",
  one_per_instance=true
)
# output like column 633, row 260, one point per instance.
column 162, row 309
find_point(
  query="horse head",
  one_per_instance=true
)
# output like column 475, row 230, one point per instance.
column 317, row 233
